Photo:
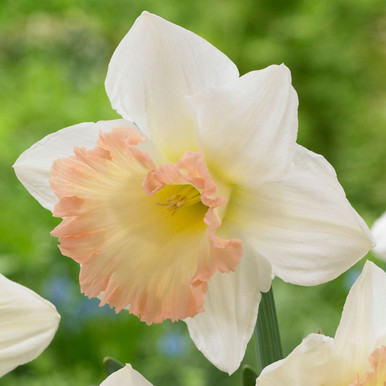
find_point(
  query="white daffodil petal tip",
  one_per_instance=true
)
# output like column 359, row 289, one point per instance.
column 27, row 323
column 303, row 224
column 293, row 370
column 223, row 331
column 363, row 321
column 126, row 376
column 379, row 232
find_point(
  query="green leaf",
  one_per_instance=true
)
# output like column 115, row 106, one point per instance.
column 111, row 365
column 267, row 332
column 249, row 376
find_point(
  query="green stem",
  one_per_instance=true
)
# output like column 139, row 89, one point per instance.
column 267, row 332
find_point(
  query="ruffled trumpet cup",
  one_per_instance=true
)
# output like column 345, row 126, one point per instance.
column 188, row 213
column 144, row 235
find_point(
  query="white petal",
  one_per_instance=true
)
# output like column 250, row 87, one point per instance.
column 27, row 324
column 248, row 128
column 309, row 364
column 126, row 376
column 362, row 327
column 303, row 225
column 33, row 166
column 156, row 64
column 223, row 331
column 379, row 232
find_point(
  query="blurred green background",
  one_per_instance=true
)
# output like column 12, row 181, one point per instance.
column 53, row 60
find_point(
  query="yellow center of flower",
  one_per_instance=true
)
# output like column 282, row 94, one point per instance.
column 185, row 195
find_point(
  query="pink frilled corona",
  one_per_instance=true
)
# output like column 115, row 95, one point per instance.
column 104, row 196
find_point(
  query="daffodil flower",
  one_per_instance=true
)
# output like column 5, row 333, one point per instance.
column 126, row 376
column 356, row 356
column 190, row 211
column 27, row 324
column 379, row 232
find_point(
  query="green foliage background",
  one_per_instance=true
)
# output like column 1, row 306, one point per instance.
column 53, row 60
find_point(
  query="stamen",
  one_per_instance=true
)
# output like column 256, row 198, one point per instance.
column 187, row 196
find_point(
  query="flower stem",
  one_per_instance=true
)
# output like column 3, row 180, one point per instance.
column 267, row 332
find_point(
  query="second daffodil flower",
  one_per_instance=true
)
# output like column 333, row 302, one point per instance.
column 188, row 212
column 356, row 356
